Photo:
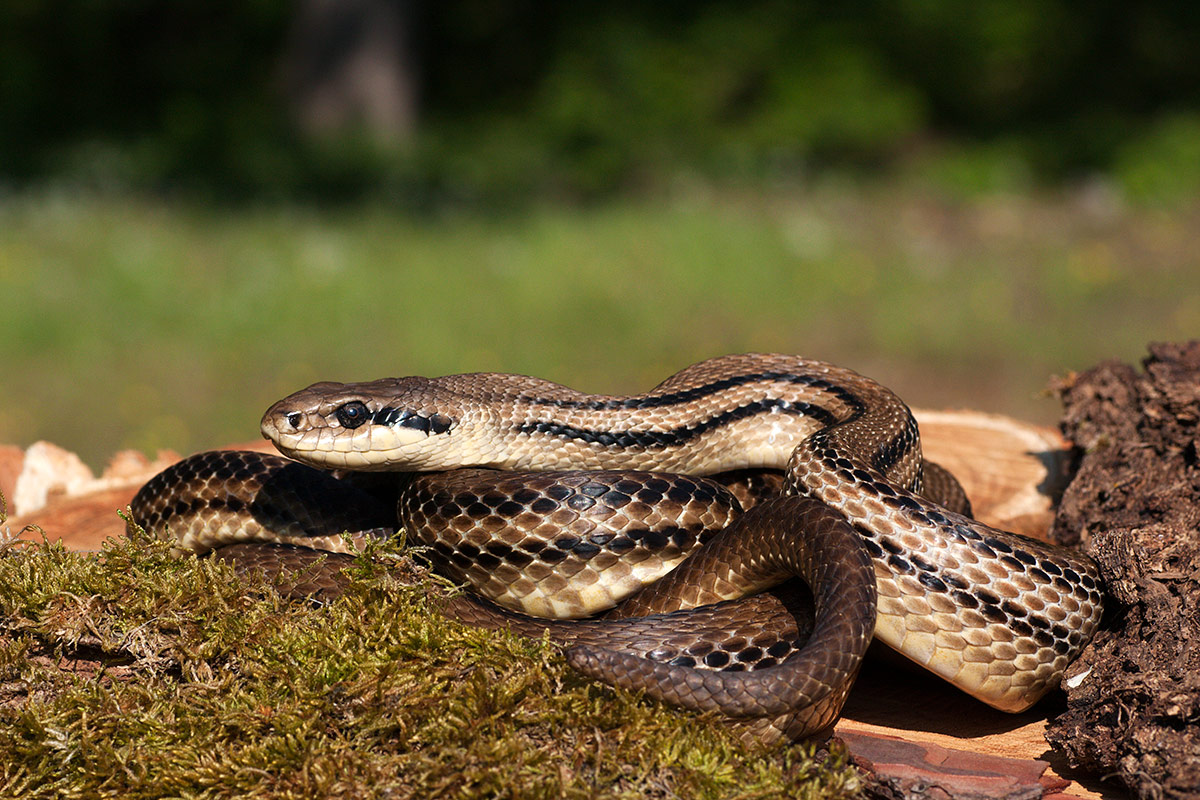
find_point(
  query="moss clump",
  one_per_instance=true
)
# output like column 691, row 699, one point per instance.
column 136, row 674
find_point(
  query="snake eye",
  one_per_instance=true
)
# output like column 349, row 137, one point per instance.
column 352, row 414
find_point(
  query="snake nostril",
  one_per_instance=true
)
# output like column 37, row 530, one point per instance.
column 293, row 419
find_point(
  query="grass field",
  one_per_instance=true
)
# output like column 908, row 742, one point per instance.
column 155, row 324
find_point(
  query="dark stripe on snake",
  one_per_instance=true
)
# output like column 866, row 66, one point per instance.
column 844, row 395
column 386, row 415
column 655, row 439
column 389, row 415
column 891, row 452
column 663, row 541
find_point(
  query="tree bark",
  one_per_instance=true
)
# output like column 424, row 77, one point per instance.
column 349, row 66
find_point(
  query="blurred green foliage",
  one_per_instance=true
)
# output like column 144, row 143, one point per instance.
column 139, row 323
column 583, row 98
column 1162, row 164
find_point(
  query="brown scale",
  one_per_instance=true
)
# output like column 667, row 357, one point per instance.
column 221, row 497
column 561, row 544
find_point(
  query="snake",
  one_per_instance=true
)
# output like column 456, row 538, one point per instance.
column 729, row 541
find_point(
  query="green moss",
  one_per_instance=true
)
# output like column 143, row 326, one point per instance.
column 135, row 674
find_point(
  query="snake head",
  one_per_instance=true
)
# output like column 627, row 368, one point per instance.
column 390, row 424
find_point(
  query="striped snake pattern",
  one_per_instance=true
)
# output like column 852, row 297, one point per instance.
column 623, row 518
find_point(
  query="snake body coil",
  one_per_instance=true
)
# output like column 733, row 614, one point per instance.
column 996, row 614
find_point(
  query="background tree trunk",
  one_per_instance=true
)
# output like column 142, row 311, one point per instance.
column 349, row 65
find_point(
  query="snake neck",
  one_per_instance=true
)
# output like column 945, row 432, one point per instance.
column 732, row 412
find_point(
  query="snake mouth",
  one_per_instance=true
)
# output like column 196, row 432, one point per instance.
column 380, row 425
column 368, row 447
